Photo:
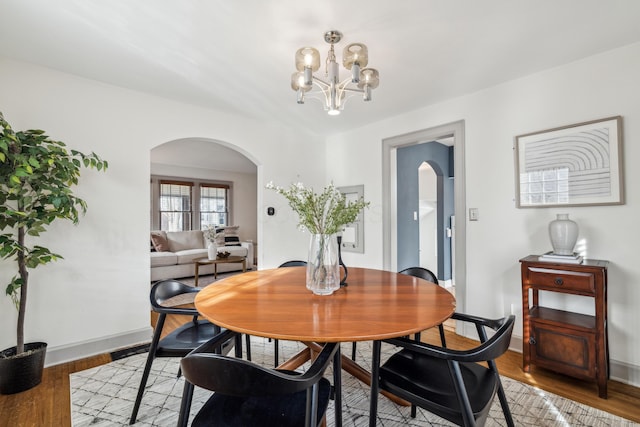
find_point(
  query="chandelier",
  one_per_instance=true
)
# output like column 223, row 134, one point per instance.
column 332, row 92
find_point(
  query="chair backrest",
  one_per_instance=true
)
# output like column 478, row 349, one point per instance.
column 238, row 377
column 421, row 273
column 487, row 350
column 294, row 263
column 164, row 290
column 491, row 348
column 499, row 343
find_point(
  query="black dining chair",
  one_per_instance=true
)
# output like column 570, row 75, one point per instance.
column 421, row 273
column 453, row 384
column 166, row 298
column 276, row 346
column 429, row 276
column 293, row 263
column 247, row 394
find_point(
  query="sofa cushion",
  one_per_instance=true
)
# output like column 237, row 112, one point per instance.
column 159, row 259
column 183, row 240
column 189, row 255
column 159, row 241
column 234, row 250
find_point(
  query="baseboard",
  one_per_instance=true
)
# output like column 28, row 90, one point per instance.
column 69, row 353
column 625, row 373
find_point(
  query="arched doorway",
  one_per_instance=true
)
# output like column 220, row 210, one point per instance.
column 206, row 159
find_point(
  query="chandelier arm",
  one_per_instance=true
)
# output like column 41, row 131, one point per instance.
column 321, row 83
column 344, row 86
column 352, row 90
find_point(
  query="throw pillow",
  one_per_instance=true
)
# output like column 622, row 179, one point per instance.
column 159, row 241
column 228, row 236
column 232, row 241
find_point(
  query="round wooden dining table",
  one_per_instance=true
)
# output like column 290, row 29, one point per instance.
column 375, row 305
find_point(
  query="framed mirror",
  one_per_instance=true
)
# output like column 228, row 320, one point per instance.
column 353, row 234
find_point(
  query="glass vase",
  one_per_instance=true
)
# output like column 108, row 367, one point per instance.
column 323, row 270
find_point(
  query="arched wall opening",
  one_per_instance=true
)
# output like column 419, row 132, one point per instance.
column 210, row 160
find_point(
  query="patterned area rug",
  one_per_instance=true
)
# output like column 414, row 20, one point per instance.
column 104, row 396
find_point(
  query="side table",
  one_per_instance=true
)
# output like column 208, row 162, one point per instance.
column 206, row 261
column 571, row 343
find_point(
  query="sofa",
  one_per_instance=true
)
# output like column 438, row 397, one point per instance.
column 173, row 252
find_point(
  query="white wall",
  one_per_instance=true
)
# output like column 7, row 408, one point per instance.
column 597, row 87
column 100, row 291
column 101, row 288
column 244, row 193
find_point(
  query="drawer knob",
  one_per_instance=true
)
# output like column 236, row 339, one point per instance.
column 559, row 281
column 532, row 341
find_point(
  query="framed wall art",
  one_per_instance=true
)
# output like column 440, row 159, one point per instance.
column 575, row 165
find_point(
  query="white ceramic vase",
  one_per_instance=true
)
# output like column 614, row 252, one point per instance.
column 212, row 250
column 323, row 270
column 563, row 234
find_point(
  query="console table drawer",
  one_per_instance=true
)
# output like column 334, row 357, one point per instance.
column 576, row 281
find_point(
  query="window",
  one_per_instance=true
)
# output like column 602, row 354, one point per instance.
column 213, row 205
column 175, row 205
column 180, row 204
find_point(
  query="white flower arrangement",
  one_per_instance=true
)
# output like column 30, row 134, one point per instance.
column 210, row 233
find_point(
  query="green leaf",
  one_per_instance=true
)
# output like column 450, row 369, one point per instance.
column 34, row 162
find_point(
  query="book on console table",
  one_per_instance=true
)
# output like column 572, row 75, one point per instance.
column 566, row 259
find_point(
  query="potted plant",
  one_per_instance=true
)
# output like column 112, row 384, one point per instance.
column 36, row 179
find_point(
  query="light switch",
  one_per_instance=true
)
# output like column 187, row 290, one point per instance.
column 473, row 214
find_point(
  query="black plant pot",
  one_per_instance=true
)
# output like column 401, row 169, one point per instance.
column 20, row 373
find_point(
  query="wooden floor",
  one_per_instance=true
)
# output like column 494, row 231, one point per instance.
column 49, row 403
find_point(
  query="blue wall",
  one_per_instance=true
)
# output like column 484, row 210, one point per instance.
column 440, row 157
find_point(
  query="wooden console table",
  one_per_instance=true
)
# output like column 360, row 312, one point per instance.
column 570, row 343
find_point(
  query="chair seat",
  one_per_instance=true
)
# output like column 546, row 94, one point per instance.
column 230, row 411
column 187, row 337
column 429, row 381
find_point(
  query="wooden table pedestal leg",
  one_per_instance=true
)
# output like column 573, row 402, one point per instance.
column 360, row 373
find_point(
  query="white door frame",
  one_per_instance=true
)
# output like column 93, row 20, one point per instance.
column 389, row 200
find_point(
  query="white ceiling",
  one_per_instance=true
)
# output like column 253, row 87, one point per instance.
column 238, row 55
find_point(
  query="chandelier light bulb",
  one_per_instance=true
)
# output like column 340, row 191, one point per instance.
column 308, row 60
